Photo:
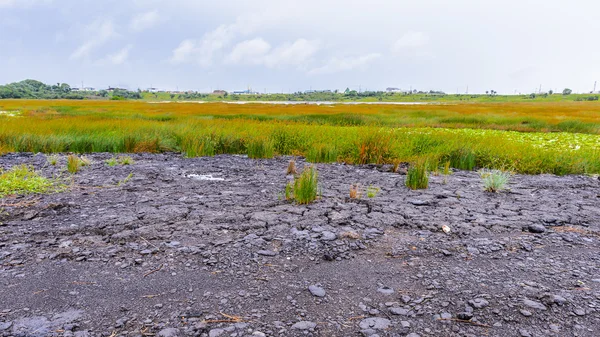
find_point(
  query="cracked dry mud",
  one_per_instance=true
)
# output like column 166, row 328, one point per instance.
column 171, row 252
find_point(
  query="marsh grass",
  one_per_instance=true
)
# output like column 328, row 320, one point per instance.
column 360, row 135
column 417, row 176
column 305, row 188
column 260, row 148
column 23, row 179
column 494, row 180
column 322, row 153
column 73, row 164
column 112, row 162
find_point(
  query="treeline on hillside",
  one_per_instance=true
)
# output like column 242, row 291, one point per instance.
column 33, row 89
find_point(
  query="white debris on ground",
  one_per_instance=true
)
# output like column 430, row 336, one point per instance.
column 204, row 177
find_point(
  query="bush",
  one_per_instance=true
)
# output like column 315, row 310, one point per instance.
column 417, row 176
column 494, row 180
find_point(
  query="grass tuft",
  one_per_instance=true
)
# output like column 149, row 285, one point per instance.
column 125, row 160
column 305, row 188
column 494, row 180
column 73, row 164
column 23, row 179
column 417, row 176
column 354, row 191
column 372, row 191
column 52, row 159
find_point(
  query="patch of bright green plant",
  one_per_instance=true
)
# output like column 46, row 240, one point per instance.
column 372, row 191
column 494, row 180
column 417, row 176
column 121, row 182
column 23, row 179
column 111, row 162
column 305, row 188
column 125, row 160
column 462, row 159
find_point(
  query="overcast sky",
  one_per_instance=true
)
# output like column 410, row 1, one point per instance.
column 279, row 45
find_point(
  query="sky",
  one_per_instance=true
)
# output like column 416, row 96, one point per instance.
column 294, row 45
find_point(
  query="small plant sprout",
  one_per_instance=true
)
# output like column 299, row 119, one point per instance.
column 85, row 161
column 354, row 191
column 447, row 168
column 125, row 160
column 494, row 180
column 291, row 169
column 111, row 162
column 125, row 180
column 417, row 176
column 372, row 191
column 53, row 159
column 73, row 164
column 289, row 191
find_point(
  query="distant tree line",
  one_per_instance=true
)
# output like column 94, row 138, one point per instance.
column 32, row 89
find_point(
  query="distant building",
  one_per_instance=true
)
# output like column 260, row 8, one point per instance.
column 393, row 89
column 153, row 90
column 88, row 89
column 317, row 91
column 113, row 89
column 219, row 92
column 246, row 92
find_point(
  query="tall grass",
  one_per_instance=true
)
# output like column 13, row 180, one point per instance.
column 417, row 176
column 305, row 188
column 360, row 135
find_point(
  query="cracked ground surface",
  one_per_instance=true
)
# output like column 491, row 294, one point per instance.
column 176, row 251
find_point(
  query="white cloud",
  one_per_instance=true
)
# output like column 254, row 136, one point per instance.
column 259, row 52
column 22, row 3
column 97, row 33
column 410, row 40
column 203, row 51
column 336, row 64
column 250, row 51
column 144, row 21
column 119, row 57
column 295, row 54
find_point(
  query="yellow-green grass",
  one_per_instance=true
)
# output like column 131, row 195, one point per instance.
column 322, row 133
column 23, row 179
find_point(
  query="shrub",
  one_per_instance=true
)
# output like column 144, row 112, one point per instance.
column 260, row 148
column 304, row 189
column 23, row 179
column 417, row 177
column 73, row 164
column 494, row 180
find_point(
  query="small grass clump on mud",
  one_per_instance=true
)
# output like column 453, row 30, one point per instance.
column 494, row 180
column 372, row 191
column 417, row 176
column 23, row 179
column 355, row 191
column 52, row 159
column 305, row 188
column 125, row 160
column 73, row 164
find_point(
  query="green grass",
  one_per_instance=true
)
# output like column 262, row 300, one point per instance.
column 494, row 180
column 372, row 191
column 305, row 188
column 125, row 160
column 73, row 164
column 260, row 148
column 321, row 153
column 52, row 159
column 417, row 176
column 22, row 179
